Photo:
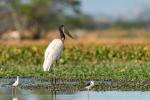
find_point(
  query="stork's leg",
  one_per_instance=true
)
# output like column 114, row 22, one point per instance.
column 54, row 73
column 54, row 81
column 57, row 62
column 51, row 70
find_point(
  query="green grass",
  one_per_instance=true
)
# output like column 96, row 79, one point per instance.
column 99, row 62
column 102, row 71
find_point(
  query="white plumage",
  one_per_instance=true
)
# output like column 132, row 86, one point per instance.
column 52, row 53
column 55, row 48
column 15, row 84
column 90, row 85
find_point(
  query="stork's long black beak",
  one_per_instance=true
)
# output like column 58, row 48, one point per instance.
column 67, row 32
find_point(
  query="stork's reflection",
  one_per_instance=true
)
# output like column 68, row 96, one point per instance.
column 53, row 93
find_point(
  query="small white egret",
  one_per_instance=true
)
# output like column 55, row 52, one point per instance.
column 54, row 49
column 89, row 86
column 15, row 84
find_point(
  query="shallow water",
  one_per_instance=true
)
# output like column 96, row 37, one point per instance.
column 6, row 94
column 66, row 90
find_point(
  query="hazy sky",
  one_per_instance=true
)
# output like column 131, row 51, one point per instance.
column 113, row 7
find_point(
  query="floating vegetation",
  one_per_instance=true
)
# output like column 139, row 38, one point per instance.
column 81, row 62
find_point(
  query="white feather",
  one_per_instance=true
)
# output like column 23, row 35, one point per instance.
column 52, row 53
column 90, row 86
column 15, row 84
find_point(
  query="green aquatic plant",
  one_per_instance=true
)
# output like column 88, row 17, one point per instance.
column 99, row 62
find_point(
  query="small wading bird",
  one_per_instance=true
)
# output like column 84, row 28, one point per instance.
column 89, row 86
column 54, row 49
column 14, row 85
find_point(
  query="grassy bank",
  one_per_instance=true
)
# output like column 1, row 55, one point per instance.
column 101, row 62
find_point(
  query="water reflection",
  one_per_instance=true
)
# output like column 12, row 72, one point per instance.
column 14, row 94
column 14, row 98
column 21, row 94
column 34, row 94
column 38, row 90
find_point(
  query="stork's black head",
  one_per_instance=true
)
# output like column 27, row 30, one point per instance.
column 63, row 30
column 61, row 26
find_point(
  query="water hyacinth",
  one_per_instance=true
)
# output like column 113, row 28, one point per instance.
column 115, row 62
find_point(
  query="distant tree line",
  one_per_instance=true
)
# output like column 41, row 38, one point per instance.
column 43, row 15
column 40, row 16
